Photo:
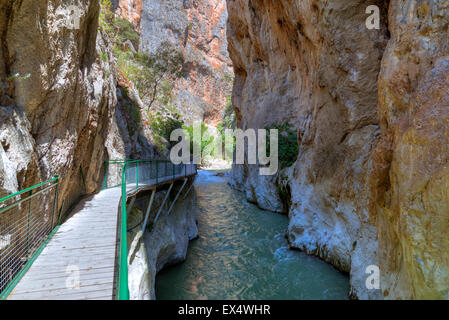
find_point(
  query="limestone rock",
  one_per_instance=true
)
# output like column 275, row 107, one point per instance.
column 298, row 62
column 58, row 93
column 130, row 10
column 198, row 29
column 409, row 183
column 166, row 244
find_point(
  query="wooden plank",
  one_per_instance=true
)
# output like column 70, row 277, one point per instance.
column 61, row 285
column 81, row 293
column 84, row 275
column 88, row 241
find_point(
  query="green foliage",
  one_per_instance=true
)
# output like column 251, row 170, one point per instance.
column 17, row 77
column 106, row 16
column 204, row 140
column 158, row 72
column 283, row 190
column 119, row 29
column 133, row 110
column 104, row 56
column 154, row 74
column 288, row 144
column 163, row 124
column 228, row 77
column 229, row 117
column 227, row 123
column 124, row 31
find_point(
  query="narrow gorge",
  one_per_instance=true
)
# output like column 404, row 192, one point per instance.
column 89, row 87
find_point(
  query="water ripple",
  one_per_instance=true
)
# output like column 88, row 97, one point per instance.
column 242, row 254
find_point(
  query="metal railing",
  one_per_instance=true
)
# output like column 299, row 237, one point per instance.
column 27, row 218
column 134, row 175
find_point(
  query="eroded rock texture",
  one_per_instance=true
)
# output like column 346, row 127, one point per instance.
column 315, row 65
column 56, row 96
column 198, row 28
column 165, row 245
column 372, row 119
column 411, row 177
column 130, row 10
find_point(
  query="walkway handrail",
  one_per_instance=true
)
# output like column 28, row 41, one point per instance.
column 24, row 229
column 145, row 173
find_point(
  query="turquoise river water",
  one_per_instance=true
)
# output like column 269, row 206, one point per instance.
column 242, row 254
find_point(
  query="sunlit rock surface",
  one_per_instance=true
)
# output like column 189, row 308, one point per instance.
column 410, row 199
column 315, row 65
column 166, row 244
column 56, row 96
column 198, row 29
column 371, row 113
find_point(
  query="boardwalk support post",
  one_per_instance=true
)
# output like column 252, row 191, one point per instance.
column 148, row 211
column 163, row 203
column 177, row 196
column 190, row 188
column 130, row 206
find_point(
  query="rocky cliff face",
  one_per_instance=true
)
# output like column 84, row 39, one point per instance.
column 315, row 65
column 410, row 179
column 130, row 10
column 369, row 186
column 166, row 244
column 198, row 28
column 56, row 95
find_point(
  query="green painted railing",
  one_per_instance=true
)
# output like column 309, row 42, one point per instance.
column 135, row 175
column 27, row 219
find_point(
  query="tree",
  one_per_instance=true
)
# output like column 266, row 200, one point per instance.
column 157, row 74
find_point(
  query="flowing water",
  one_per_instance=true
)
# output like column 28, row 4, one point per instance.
column 242, row 254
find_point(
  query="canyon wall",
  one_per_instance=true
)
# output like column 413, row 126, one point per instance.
column 198, row 29
column 315, row 65
column 131, row 10
column 409, row 185
column 369, row 186
column 56, row 96
column 163, row 245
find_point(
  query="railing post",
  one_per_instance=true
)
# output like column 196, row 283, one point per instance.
column 55, row 202
column 105, row 182
column 123, row 275
column 28, row 222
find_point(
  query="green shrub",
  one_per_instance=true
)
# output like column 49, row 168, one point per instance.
column 133, row 110
column 124, row 31
column 162, row 123
column 287, row 144
column 104, row 56
column 205, row 140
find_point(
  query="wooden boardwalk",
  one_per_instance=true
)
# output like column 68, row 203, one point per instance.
column 84, row 247
column 79, row 261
